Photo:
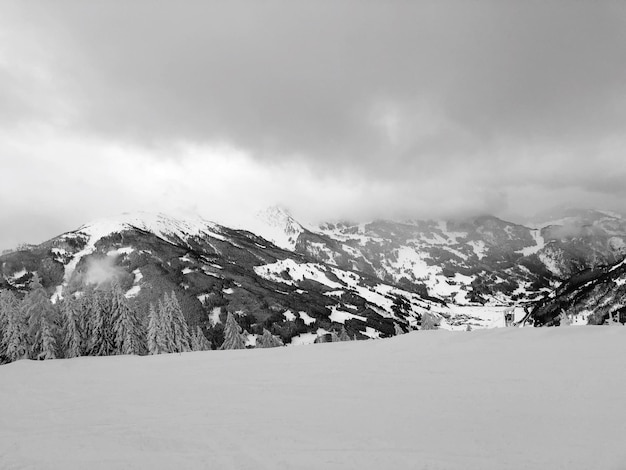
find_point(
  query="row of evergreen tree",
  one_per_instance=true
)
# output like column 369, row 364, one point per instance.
column 102, row 322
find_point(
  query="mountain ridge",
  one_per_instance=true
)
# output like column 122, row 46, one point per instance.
column 369, row 277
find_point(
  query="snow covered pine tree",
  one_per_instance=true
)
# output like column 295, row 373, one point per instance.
column 199, row 342
column 40, row 314
column 13, row 322
column 233, row 338
column 126, row 325
column 155, row 334
column 343, row 334
column 73, row 342
column 181, row 336
column 268, row 340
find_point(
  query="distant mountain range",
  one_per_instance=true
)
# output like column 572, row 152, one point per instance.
column 480, row 260
column 305, row 281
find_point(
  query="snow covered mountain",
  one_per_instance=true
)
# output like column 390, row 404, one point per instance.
column 481, row 260
column 305, row 281
column 593, row 296
column 215, row 270
column 276, row 225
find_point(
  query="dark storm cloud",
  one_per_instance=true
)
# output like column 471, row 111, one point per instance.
column 488, row 100
column 307, row 78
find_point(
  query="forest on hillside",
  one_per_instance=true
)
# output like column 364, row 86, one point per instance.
column 100, row 321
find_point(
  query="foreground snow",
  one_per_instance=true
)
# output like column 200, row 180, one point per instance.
column 490, row 399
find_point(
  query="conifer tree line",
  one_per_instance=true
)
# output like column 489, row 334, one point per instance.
column 102, row 322
column 99, row 322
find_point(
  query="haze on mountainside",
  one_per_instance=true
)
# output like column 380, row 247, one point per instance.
column 345, row 109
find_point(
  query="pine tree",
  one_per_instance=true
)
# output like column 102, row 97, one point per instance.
column 397, row 330
column 85, row 307
column 199, row 342
column 165, row 322
column 73, row 342
column 5, row 307
column 268, row 340
column 155, row 336
column 126, row 326
column 233, row 338
column 343, row 334
column 181, row 335
column 102, row 340
column 334, row 338
column 14, row 344
column 48, row 341
column 40, row 314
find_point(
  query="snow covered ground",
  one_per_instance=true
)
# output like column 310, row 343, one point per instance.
column 486, row 399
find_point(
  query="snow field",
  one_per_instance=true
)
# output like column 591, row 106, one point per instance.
column 289, row 315
column 275, row 225
column 133, row 291
column 297, row 272
column 161, row 225
column 540, row 243
column 214, row 316
column 380, row 296
column 491, row 399
column 340, row 316
column 306, row 318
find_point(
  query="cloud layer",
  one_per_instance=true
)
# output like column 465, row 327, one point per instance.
column 335, row 108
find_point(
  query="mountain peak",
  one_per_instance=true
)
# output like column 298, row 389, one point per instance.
column 162, row 225
column 278, row 226
column 565, row 215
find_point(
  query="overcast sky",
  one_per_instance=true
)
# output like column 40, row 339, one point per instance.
column 333, row 109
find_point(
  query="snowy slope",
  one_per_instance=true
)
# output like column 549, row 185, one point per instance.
column 276, row 225
column 162, row 225
column 388, row 272
column 482, row 260
column 166, row 227
column 463, row 262
column 592, row 296
column 215, row 270
column 504, row 399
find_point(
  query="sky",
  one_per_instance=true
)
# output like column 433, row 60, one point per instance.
column 339, row 109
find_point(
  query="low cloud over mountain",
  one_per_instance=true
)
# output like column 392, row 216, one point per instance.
column 337, row 110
